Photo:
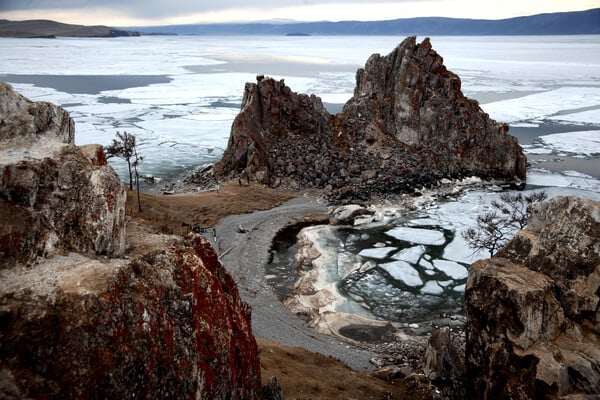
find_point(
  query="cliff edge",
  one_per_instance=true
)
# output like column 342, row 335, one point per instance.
column 92, row 308
column 533, row 310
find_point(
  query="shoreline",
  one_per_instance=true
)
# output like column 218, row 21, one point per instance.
column 244, row 255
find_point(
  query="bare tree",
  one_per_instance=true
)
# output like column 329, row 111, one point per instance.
column 124, row 147
column 494, row 228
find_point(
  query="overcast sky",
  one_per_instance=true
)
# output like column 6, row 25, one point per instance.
column 162, row 12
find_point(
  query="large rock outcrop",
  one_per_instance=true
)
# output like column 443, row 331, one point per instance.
column 55, row 197
column 81, row 314
column 408, row 124
column 533, row 328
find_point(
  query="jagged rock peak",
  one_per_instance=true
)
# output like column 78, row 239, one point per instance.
column 407, row 125
column 533, row 321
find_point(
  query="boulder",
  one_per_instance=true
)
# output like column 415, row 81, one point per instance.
column 533, row 321
column 407, row 125
column 55, row 197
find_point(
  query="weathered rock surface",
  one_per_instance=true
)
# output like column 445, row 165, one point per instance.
column 166, row 325
column 55, row 197
column 407, row 125
column 533, row 327
column 82, row 315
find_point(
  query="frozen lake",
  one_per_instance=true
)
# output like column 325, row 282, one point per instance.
column 179, row 96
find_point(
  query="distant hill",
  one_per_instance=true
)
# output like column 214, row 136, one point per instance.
column 50, row 29
column 565, row 23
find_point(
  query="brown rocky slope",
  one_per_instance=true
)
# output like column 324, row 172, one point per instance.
column 407, row 125
column 533, row 328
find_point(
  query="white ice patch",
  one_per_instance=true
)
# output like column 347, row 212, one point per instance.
column 543, row 105
column 417, row 235
column 378, row 252
column 404, row 272
column 433, row 288
column 411, row 255
column 460, row 288
column 452, row 269
column 590, row 117
column 582, row 142
column 560, row 180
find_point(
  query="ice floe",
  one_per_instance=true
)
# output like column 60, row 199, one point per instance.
column 450, row 268
column 581, row 142
column 417, row 235
column 403, row 272
column 377, row 252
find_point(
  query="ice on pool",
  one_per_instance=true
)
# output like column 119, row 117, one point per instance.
column 377, row 252
column 460, row 288
column 450, row 268
column 433, row 288
column 404, row 272
column 411, row 254
column 417, row 235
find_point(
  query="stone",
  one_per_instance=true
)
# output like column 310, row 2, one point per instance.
column 345, row 215
column 533, row 325
column 408, row 125
column 444, row 362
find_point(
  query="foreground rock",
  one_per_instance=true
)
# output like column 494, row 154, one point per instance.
column 533, row 327
column 56, row 197
column 407, row 125
column 168, row 324
column 81, row 316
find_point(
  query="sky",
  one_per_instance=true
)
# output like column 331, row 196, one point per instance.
column 167, row 12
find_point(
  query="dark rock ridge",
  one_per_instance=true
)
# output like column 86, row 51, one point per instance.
column 82, row 315
column 407, row 125
column 533, row 328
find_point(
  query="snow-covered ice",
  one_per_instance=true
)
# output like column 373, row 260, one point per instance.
column 432, row 287
column 417, row 235
column 404, row 272
column 377, row 252
column 580, row 142
column 451, row 268
column 411, row 254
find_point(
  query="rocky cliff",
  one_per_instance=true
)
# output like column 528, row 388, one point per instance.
column 408, row 124
column 533, row 328
column 83, row 314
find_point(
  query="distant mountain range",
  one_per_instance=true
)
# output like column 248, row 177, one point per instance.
column 49, row 29
column 565, row 23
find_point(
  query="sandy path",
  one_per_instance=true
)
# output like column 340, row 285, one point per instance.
column 245, row 255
